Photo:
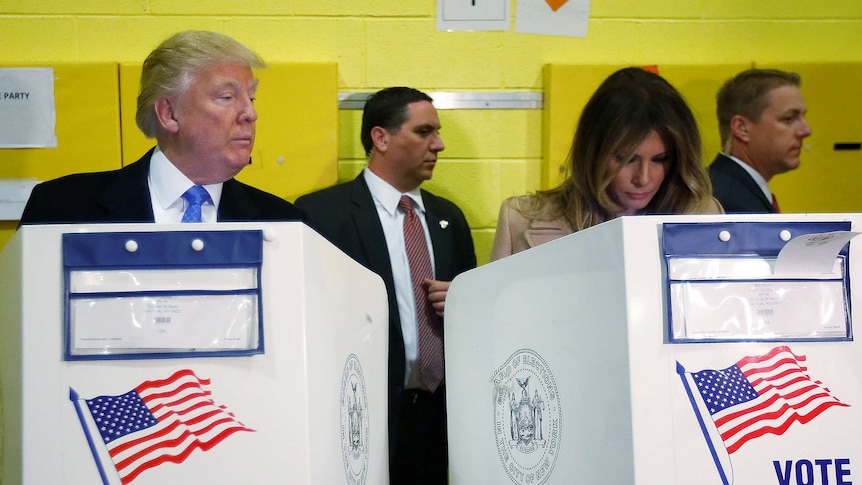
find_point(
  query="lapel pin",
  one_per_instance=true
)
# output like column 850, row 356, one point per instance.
column 444, row 224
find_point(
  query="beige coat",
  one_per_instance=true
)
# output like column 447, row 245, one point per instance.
column 516, row 233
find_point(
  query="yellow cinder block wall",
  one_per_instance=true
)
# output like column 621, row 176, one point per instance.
column 490, row 154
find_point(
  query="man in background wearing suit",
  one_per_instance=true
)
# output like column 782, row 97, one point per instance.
column 368, row 218
column 197, row 100
column 761, row 118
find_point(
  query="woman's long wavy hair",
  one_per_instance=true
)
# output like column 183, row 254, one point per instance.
column 615, row 121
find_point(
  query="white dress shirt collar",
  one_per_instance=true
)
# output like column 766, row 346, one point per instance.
column 387, row 195
column 167, row 185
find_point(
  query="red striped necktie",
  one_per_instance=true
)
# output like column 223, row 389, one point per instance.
column 775, row 204
column 430, row 363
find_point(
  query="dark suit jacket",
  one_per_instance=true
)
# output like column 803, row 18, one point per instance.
column 735, row 189
column 124, row 196
column 346, row 215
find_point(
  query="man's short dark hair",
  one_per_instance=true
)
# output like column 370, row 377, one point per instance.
column 387, row 109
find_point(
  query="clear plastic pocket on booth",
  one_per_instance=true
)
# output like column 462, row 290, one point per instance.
column 722, row 284
column 158, row 296
column 740, row 298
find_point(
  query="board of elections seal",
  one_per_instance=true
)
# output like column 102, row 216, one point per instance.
column 528, row 420
column 354, row 422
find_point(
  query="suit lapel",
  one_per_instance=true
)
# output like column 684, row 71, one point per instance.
column 733, row 169
column 440, row 230
column 128, row 196
column 369, row 230
column 235, row 205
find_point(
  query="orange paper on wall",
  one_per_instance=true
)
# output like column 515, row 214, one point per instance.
column 556, row 4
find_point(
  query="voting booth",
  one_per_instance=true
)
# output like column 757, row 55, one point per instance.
column 230, row 353
column 662, row 349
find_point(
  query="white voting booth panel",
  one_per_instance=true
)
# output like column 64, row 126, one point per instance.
column 311, row 408
column 560, row 370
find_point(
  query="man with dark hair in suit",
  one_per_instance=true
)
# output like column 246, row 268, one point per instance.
column 761, row 119
column 197, row 100
column 368, row 218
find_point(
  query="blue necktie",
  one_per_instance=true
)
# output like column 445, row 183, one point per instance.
column 195, row 197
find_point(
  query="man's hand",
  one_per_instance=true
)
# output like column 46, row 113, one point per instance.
column 437, row 294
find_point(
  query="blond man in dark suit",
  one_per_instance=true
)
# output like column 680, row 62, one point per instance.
column 197, row 100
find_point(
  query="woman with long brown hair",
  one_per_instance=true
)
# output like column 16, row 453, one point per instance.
column 636, row 150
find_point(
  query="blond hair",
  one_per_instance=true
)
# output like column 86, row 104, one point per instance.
column 172, row 67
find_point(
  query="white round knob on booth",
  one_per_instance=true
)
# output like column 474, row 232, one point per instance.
column 197, row 245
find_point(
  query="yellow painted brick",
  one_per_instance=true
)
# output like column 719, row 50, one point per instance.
column 519, row 177
column 131, row 39
column 514, row 178
column 606, row 43
column 366, row 8
column 782, row 9
column 349, row 125
column 483, row 239
column 221, row 7
column 336, row 8
column 628, row 42
column 349, row 169
column 77, row 7
column 492, row 133
column 28, row 39
column 412, row 52
column 467, row 183
column 731, row 9
column 636, row 9
column 306, row 40
column 745, row 41
column 802, row 41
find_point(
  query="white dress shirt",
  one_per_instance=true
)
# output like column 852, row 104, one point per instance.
column 167, row 186
column 386, row 198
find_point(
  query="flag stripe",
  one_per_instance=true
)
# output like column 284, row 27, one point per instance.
column 185, row 446
column 779, row 430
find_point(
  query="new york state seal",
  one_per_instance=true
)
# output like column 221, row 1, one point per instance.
column 354, row 422
column 527, row 418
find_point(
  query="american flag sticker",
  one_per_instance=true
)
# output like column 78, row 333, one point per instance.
column 158, row 422
column 758, row 395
